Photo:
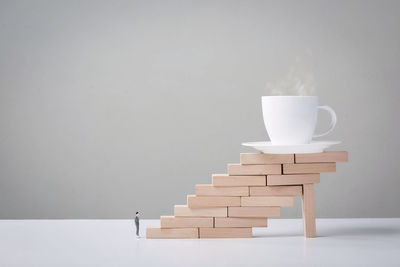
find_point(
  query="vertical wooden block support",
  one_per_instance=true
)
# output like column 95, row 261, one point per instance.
column 308, row 211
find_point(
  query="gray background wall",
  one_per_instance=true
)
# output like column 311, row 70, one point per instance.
column 108, row 107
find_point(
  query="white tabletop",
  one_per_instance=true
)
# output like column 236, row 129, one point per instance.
column 364, row 242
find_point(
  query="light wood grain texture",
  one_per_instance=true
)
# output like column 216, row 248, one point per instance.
column 293, row 179
column 309, row 168
column 242, row 180
column 238, row 169
column 204, row 202
column 185, row 211
column 288, row 190
column 308, row 208
column 225, row 232
column 210, row 190
column 156, row 232
column 254, row 212
column 280, row 201
column 331, row 156
column 241, row 222
column 260, row 158
column 185, row 222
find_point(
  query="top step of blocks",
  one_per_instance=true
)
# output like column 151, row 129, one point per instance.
column 260, row 158
column 330, row 156
column 265, row 159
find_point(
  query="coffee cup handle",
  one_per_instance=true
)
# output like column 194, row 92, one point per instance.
column 333, row 120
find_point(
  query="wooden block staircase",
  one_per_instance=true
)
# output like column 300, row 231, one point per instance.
column 251, row 192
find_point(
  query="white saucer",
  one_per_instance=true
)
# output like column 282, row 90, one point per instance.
column 313, row 147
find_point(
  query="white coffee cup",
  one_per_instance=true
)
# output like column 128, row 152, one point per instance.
column 291, row 120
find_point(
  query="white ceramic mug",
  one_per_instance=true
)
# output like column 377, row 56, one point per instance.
column 291, row 120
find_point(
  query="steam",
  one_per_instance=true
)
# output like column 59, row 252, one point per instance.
column 299, row 81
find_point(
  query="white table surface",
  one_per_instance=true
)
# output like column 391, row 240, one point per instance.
column 340, row 242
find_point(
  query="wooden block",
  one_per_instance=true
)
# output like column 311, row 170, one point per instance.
column 256, row 212
column 288, row 190
column 185, row 211
column 293, row 179
column 262, row 159
column 225, row 232
column 308, row 208
column 210, row 190
column 309, row 168
column 267, row 201
column 242, row 180
column 238, row 169
column 185, row 222
column 204, row 202
column 241, row 222
column 331, row 156
column 156, row 232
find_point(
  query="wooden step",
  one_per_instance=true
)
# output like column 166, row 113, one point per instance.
column 280, row 201
column 254, row 212
column 157, row 232
column 210, row 190
column 225, row 232
column 213, row 201
column 185, row 222
column 331, row 156
column 293, row 179
column 299, row 168
column 240, row 222
column 242, row 180
column 185, row 211
column 288, row 190
column 264, row 159
column 238, row 169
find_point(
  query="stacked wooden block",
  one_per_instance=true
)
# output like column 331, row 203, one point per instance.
column 251, row 192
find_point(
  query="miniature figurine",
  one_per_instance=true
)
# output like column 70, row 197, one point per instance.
column 137, row 224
